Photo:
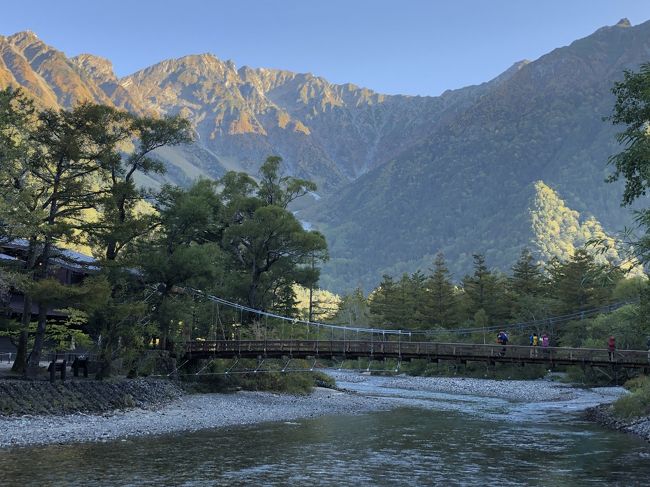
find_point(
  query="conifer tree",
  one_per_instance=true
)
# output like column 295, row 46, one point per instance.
column 382, row 302
column 442, row 299
column 580, row 283
column 527, row 278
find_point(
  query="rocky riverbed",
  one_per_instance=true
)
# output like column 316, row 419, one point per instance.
column 205, row 411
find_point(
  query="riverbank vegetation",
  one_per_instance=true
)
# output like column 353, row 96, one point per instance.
column 637, row 403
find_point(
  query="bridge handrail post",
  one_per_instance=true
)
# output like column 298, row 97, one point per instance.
column 399, row 343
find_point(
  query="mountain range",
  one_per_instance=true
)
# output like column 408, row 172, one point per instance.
column 400, row 177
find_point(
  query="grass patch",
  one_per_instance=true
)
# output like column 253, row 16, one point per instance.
column 637, row 403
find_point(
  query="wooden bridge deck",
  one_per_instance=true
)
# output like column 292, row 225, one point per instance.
column 459, row 352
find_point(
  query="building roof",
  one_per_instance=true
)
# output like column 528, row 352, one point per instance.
column 63, row 257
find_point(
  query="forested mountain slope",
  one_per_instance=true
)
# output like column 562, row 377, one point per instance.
column 467, row 186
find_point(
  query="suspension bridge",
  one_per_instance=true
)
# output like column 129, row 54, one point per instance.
column 345, row 342
column 431, row 351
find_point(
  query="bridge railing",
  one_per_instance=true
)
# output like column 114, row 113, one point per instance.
column 417, row 350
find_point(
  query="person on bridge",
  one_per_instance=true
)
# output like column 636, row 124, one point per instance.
column 611, row 347
column 534, row 340
column 545, row 340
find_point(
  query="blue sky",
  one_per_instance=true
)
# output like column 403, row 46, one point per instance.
column 415, row 47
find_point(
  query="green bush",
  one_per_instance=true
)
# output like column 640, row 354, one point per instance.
column 637, row 383
column 270, row 377
column 637, row 403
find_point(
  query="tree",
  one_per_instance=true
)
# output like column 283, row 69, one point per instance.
column 49, row 164
column 65, row 177
column 580, row 283
column 529, row 290
column 267, row 244
column 123, row 218
column 71, row 149
column 632, row 164
column 632, row 108
column 278, row 190
column 442, row 297
column 20, row 213
column 485, row 290
column 382, row 303
column 527, row 278
column 353, row 310
column 184, row 253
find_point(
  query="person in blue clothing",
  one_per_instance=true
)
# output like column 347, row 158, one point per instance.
column 502, row 338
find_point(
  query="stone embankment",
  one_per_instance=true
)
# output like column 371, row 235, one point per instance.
column 604, row 415
column 22, row 397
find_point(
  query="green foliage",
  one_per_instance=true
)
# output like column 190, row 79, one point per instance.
column 269, row 249
column 443, row 300
column 272, row 379
column 353, row 310
column 580, row 283
column 632, row 109
column 485, row 290
column 587, row 376
column 637, row 403
column 63, row 337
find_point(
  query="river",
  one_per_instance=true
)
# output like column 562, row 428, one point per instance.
column 439, row 439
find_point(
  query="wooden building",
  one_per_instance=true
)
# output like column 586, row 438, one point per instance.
column 67, row 266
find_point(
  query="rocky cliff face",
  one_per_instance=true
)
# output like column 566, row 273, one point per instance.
column 328, row 133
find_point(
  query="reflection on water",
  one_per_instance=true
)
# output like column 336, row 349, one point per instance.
column 472, row 442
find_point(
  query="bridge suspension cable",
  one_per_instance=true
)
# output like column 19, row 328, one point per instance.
column 550, row 321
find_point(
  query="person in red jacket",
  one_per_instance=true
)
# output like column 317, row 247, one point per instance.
column 611, row 346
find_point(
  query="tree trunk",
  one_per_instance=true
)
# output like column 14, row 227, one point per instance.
column 20, row 364
column 35, row 357
column 39, row 340
column 105, row 359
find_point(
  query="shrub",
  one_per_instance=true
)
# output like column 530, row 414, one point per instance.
column 637, row 403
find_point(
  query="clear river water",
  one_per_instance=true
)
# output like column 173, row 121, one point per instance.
column 442, row 439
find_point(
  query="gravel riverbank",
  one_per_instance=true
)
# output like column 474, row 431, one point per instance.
column 511, row 390
column 187, row 413
column 205, row 411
